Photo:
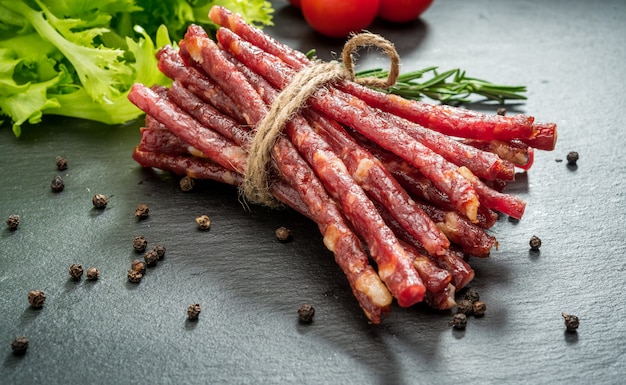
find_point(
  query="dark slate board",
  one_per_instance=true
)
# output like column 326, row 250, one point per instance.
column 571, row 56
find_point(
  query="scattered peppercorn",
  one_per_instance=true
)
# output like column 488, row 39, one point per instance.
column 13, row 221
column 193, row 311
column 571, row 322
column 306, row 313
column 535, row 243
column 19, row 345
column 138, row 266
column 472, row 295
column 465, row 306
column 203, row 222
column 283, row 234
column 151, row 258
column 57, row 184
column 140, row 243
column 479, row 308
column 61, row 163
column 459, row 321
column 501, row 111
column 93, row 274
column 100, row 201
column 134, row 276
column 76, row 271
column 142, row 211
column 186, row 183
column 36, row 298
column 572, row 158
column 160, row 251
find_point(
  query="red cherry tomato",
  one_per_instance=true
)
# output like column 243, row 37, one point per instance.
column 402, row 11
column 338, row 18
column 295, row 3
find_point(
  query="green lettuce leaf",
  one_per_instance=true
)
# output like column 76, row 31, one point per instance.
column 80, row 58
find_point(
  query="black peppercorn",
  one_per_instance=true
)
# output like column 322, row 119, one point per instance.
column 142, row 211
column 100, row 201
column 57, row 184
column 472, row 295
column 186, row 183
column 138, row 266
column 572, row 158
column 459, row 321
column 151, row 258
column 76, row 271
column 134, row 276
column 465, row 306
column 36, row 298
column 140, row 243
column 193, row 311
column 61, row 163
column 306, row 313
column 283, row 234
column 93, row 274
column 13, row 221
column 501, row 111
column 479, row 308
column 203, row 222
column 160, row 251
column 535, row 243
column 19, row 345
column 571, row 322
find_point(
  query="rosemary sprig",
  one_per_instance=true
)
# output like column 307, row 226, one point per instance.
column 451, row 86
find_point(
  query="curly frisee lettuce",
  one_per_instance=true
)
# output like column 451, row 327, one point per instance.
column 80, row 59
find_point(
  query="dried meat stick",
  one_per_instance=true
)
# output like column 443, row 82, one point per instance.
column 462, row 273
column 187, row 165
column 394, row 266
column 207, row 55
column 544, row 137
column 448, row 120
column 435, row 278
column 234, row 22
column 214, row 146
column 162, row 141
column 451, row 120
column 441, row 300
column 471, row 238
column 331, row 102
column 171, row 65
column 515, row 151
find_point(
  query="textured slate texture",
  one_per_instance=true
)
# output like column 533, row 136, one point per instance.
column 571, row 56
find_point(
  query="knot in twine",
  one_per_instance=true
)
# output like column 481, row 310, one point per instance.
column 255, row 187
